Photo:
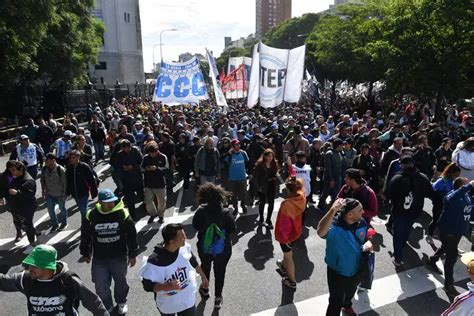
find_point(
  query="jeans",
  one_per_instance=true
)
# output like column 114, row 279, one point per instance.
column 82, row 203
column 151, row 208
column 219, row 263
column 267, row 197
column 238, row 189
column 103, row 271
column 99, row 150
column 341, row 291
column 449, row 245
column 402, row 226
column 187, row 312
column 51, row 202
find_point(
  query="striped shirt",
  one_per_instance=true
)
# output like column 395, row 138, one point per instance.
column 463, row 304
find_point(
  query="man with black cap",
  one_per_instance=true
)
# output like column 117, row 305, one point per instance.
column 424, row 156
column 346, row 238
column 443, row 155
column 28, row 153
column 355, row 187
column 406, row 191
column 108, row 234
column 50, row 287
column 332, row 172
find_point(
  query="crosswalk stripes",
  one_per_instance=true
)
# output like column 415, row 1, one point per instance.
column 385, row 291
column 71, row 235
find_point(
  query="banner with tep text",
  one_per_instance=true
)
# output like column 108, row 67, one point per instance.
column 276, row 75
column 180, row 83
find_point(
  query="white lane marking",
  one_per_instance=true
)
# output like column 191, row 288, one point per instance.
column 59, row 236
column 103, row 169
column 42, row 218
column 387, row 290
column 178, row 202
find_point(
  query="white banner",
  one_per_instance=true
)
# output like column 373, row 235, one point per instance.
column 180, row 83
column 234, row 63
column 213, row 73
column 277, row 75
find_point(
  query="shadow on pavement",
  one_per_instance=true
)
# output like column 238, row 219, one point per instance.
column 259, row 248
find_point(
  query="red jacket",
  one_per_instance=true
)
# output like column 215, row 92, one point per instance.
column 289, row 221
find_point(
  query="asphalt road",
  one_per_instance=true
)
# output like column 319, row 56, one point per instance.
column 252, row 284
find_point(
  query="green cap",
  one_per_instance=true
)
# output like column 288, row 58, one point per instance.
column 43, row 257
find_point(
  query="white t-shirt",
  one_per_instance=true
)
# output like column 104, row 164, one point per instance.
column 171, row 302
column 27, row 154
column 304, row 174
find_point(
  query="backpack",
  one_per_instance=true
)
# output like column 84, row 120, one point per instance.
column 214, row 240
column 66, row 283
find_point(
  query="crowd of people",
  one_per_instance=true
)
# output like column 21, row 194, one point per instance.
column 348, row 166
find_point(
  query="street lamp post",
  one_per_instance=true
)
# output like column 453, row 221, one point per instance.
column 154, row 65
column 161, row 45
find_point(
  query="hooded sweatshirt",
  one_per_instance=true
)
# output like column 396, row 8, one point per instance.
column 289, row 220
column 108, row 234
column 55, row 296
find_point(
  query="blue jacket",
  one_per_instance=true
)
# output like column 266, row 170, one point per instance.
column 457, row 211
column 443, row 186
column 237, row 166
column 343, row 251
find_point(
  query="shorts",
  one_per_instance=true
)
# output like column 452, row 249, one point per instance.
column 287, row 247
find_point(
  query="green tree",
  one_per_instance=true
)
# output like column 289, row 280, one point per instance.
column 48, row 41
column 432, row 48
column 291, row 33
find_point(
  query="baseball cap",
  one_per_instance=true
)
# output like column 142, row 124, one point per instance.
column 107, row 195
column 43, row 257
column 235, row 142
column 23, row 137
column 68, row 133
column 468, row 260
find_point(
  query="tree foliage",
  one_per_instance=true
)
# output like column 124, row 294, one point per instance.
column 291, row 33
column 47, row 40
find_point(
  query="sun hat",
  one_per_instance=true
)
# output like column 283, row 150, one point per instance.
column 43, row 257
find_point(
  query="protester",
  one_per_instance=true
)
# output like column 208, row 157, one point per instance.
column 80, row 181
column 406, row 192
column 108, row 236
column 453, row 223
column 30, row 154
column 62, row 147
column 54, row 189
column 332, row 173
column 215, row 225
column 48, row 280
column 206, row 163
column 238, row 166
column 346, row 240
column 170, row 273
column 154, row 165
column 265, row 177
column 288, row 227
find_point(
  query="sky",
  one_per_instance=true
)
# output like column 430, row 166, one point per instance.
column 202, row 23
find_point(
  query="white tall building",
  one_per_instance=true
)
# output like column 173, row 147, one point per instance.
column 120, row 58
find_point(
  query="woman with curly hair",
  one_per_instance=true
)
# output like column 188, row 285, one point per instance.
column 214, row 224
column 265, row 177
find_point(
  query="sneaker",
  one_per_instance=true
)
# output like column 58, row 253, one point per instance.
column 286, row 282
column 218, row 303
column 461, row 252
column 431, row 265
column 269, row 224
column 451, row 291
column 161, row 220
column 122, row 308
column 54, row 229
column 19, row 236
column 63, row 226
column 281, row 269
column 151, row 219
column 204, row 293
column 397, row 264
column 348, row 311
